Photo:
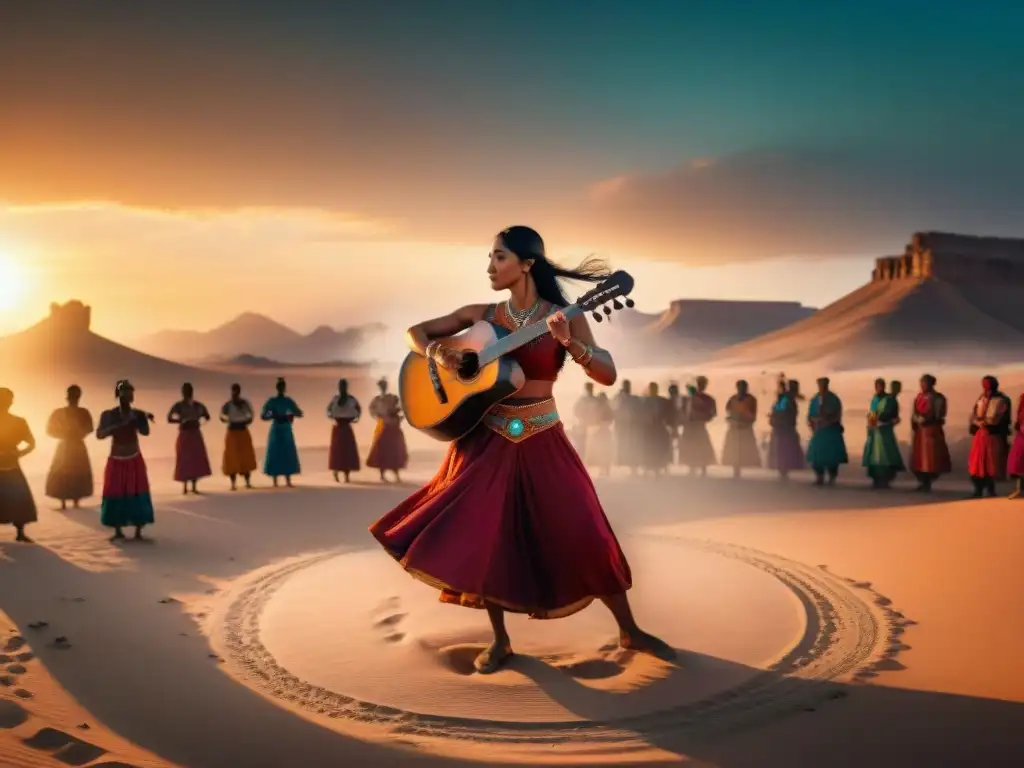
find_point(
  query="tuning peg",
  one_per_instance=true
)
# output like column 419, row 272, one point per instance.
column 607, row 309
column 616, row 303
column 597, row 317
column 630, row 303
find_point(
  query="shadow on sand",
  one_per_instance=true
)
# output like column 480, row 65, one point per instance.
column 158, row 685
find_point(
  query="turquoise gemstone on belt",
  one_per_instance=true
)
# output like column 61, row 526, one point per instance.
column 516, row 427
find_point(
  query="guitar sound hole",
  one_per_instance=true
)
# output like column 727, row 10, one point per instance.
column 470, row 365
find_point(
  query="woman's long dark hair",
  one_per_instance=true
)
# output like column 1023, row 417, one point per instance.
column 526, row 243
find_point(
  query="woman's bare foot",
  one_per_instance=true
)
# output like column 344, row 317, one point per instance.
column 642, row 642
column 493, row 657
column 23, row 538
column 118, row 535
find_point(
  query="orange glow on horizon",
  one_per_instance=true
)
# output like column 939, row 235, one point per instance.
column 14, row 281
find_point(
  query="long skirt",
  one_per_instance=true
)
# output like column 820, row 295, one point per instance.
column 239, row 454
column 784, row 450
column 578, row 437
column 601, row 448
column 17, row 507
column 191, row 459
column 517, row 524
column 126, row 499
column 657, row 447
column 695, row 449
column 988, row 455
column 70, row 475
column 387, row 450
column 1015, row 464
column 344, row 455
column 628, row 445
column 881, row 456
column 741, row 447
column 827, row 448
column 282, row 454
column 929, row 454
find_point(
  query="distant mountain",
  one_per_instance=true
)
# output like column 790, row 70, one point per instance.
column 254, row 361
column 62, row 349
column 255, row 335
column 914, row 320
column 693, row 329
column 249, row 332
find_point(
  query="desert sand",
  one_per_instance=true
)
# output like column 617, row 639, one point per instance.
column 838, row 627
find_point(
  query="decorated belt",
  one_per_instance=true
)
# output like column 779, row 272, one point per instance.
column 518, row 422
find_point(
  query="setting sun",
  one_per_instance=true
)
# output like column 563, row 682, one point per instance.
column 13, row 283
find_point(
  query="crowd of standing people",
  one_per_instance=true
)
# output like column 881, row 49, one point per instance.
column 126, row 500
column 649, row 433
column 645, row 434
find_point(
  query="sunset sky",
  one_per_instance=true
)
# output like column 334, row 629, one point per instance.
column 174, row 164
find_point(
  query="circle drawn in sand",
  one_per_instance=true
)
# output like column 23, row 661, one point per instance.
column 850, row 634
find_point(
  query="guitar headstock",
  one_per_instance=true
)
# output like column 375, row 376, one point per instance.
column 617, row 285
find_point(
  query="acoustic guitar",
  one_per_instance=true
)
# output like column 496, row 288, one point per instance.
column 448, row 404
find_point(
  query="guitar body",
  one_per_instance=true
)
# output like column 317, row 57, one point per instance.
column 464, row 402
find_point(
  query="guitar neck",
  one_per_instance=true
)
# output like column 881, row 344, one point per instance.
column 523, row 336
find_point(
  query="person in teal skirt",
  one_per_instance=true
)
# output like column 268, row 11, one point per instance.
column 282, row 459
column 827, row 448
column 126, row 496
column 881, row 457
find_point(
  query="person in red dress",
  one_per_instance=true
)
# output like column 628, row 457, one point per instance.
column 990, row 427
column 1015, row 464
column 512, row 521
column 929, row 456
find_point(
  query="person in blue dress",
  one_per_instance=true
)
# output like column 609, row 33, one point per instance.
column 827, row 449
column 881, row 457
column 282, row 459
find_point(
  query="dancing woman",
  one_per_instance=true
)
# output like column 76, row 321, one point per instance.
column 192, row 462
column 345, row 411
column 239, row 454
column 512, row 522
column 17, row 507
column 70, row 475
column 282, row 459
column 126, row 499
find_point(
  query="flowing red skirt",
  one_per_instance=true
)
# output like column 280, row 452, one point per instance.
column 930, row 452
column 516, row 524
column 192, row 462
column 344, row 454
column 1015, row 464
column 125, row 477
column 988, row 455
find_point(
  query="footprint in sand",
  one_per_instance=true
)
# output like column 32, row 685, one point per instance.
column 388, row 618
column 17, row 669
column 8, row 680
column 15, row 643
column 64, row 747
column 592, row 669
column 12, row 714
column 21, row 693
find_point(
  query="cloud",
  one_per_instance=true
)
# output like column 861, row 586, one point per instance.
column 286, row 223
column 767, row 204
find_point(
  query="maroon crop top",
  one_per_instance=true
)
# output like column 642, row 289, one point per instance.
column 542, row 359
